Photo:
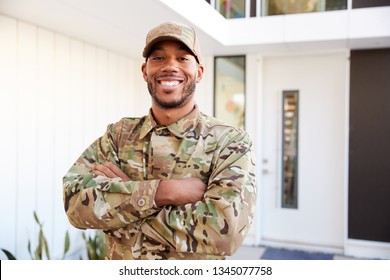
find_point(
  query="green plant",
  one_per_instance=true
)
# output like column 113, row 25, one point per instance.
column 9, row 255
column 96, row 245
column 42, row 247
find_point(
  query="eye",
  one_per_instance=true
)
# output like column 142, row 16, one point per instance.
column 157, row 58
column 182, row 58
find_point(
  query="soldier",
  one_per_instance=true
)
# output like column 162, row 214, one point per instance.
column 175, row 184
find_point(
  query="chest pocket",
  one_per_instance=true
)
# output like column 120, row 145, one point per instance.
column 165, row 156
column 194, row 158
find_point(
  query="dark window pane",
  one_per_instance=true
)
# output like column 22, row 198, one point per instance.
column 369, row 3
column 253, row 8
column 290, row 150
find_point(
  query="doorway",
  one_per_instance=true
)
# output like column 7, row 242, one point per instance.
column 317, row 219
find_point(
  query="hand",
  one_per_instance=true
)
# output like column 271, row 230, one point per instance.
column 110, row 170
column 179, row 192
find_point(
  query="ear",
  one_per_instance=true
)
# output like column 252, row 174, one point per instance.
column 144, row 74
column 200, row 73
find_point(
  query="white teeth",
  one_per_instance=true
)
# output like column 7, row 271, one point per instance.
column 169, row 83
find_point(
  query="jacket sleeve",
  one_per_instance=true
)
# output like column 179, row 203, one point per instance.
column 218, row 224
column 98, row 202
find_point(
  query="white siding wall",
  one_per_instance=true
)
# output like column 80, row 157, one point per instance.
column 57, row 95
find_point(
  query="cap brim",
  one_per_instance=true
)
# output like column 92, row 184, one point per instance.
column 148, row 48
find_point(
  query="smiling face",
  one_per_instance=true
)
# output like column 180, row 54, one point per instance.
column 171, row 72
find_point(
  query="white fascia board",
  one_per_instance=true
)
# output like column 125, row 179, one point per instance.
column 320, row 26
column 370, row 22
column 251, row 31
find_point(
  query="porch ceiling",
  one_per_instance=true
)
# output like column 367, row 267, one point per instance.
column 121, row 26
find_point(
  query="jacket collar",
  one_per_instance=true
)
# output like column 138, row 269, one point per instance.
column 180, row 128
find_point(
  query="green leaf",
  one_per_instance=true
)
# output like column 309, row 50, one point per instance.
column 95, row 245
column 29, row 249
column 36, row 218
column 38, row 250
column 67, row 244
column 9, row 255
column 46, row 247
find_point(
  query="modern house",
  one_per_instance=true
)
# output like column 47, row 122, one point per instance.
column 308, row 79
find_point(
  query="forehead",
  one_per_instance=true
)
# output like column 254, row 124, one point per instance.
column 170, row 45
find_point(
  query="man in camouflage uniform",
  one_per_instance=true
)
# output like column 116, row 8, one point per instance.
column 175, row 184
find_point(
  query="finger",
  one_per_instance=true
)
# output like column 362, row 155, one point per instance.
column 116, row 170
column 105, row 171
column 97, row 172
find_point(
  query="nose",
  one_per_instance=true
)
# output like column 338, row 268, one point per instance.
column 170, row 65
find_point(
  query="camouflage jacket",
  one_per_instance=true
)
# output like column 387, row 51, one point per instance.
column 135, row 228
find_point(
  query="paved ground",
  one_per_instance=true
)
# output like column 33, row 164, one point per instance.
column 256, row 253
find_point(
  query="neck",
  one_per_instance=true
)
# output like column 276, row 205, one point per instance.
column 165, row 116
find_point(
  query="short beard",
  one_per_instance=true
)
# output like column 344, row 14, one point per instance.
column 186, row 94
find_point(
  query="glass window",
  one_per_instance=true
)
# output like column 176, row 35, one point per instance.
column 229, row 94
column 282, row 7
column 253, row 8
column 369, row 3
column 290, row 150
column 231, row 8
column 333, row 5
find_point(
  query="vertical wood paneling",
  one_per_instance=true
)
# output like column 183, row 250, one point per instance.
column 8, row 146
column 141, row 95
column 61, row 104
column 126, row 107
column 129, row 89
column 76, row 98
column 101, row 93
column 122, row 71
column 27, row 136
column 112, row 99
column 90, row 101
column 44, row 129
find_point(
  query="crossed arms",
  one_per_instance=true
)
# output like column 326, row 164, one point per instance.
column 169, row 192
column 99, row 195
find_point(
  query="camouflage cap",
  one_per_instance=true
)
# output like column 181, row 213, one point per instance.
column 173, row 31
